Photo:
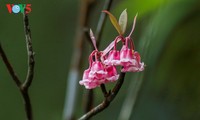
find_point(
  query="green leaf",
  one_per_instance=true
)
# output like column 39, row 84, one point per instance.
column 114, row 22
column 123, row 21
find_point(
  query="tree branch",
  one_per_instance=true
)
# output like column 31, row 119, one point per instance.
column 30, row 53
column 9, row 67
column 106, row 102
column 103, row 89
column 23, row 86
column 30, row 73
column 27, row 104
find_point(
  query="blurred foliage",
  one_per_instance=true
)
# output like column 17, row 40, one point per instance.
column 166, row 35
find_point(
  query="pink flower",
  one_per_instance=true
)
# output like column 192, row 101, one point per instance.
column 97, row 70
column 88, row 82
column 111, row 74
column 95, row 74
column 113, row 58
column 136, row 67
column 130, row 60
column 126, row 56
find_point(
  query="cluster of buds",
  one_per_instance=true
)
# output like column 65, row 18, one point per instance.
column 102, row 64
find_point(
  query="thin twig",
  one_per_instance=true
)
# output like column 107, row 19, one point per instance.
column 106, row 102
column 103, row 89
column 30, row 72
column 30, row 53
column 9, row 67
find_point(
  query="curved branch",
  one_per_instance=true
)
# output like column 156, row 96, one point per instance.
column 30, row 53
column 9, row 67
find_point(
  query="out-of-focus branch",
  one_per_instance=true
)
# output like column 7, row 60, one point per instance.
column 26, row 84
column 108, row 99
column 73, row 76
column 89, row 100
column 100, row 25
column 102, row 20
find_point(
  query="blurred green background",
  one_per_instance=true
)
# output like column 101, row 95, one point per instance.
column 166, row 35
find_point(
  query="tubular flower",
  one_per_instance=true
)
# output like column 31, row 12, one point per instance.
column 95, row 74
column 130, row 59
column 126, row 56
column 136, row 67
column 97, row 71
column 111, row 74
column 114, row 55
column 113, row 58
column 88, row 82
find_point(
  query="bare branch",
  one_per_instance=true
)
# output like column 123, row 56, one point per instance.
column 27, row 104
column 23, row 86
column 30, row 73
column 9, row 67
column 30, row 53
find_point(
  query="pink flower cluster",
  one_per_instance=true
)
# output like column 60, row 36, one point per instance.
column 102, row 64
column 98, row 73
column 102, row 67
